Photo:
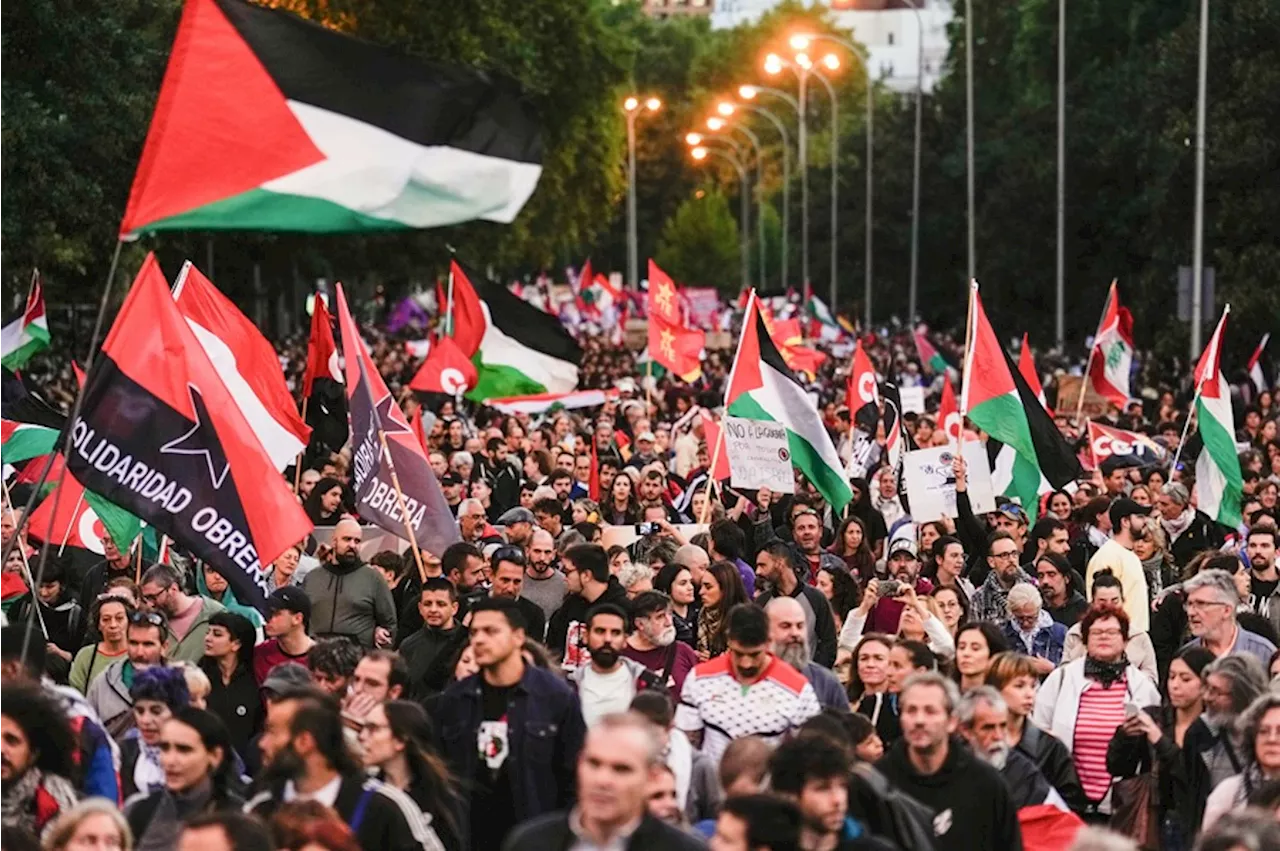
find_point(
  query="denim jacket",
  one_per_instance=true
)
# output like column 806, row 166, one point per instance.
column 1047, row 641
column 546, row 732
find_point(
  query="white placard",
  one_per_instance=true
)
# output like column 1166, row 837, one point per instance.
column 931, row 486
column 912, row 399
column 759, row 456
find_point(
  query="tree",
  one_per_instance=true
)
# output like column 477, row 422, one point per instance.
column 699, row 245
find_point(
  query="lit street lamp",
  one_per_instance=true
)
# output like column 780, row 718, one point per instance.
column 700, row 154
column 749, row 93
column 631, row 106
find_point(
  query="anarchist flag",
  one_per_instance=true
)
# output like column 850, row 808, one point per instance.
column 160, row 436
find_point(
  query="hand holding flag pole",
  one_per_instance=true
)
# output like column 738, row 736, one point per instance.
column 1191, row 409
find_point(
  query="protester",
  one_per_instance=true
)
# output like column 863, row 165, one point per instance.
column 1031, row 629
column 775, row 572
column 789, row 638
column 1063, row 603
column 869, row 685
column 109, row 693
column 758, row 822
column 1232, row 683
column 157, row 693
column 720, row 592
column 652, row 642
column 228, row 662
column 587, row 578
column 1212, row 598
column 186, row 616
column 287, row 631
column 977, row 643
column 1260, row 751
column 808, row 771
column 425, row 650
column 332, row 662
column 114, row 565
column 543, row 584
column 508, row 566
column 348, row 597
column 989, row 602
column 94, row 823
column 607, row 684
column 36, row 758
column 677, row 581
column 1127, row 519
column 110, row 616
column 984, row 724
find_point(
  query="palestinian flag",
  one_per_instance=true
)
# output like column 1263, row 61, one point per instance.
column 161, row 437
column 1219, row 481
column 266, row 121
column 997, row 399
column 822, row 325
column 29, row 333
column 1255, row 365
column 1112, row 356
column 1027, row 366
column 519, row 350
column 761, row 387
column 547, row 401
column 71, row 516
column 24, row 441
column 929, row 356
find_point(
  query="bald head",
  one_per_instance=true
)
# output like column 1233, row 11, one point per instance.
column 788, row 631
column 346, row 541
column 694, row 558
column 541, row 537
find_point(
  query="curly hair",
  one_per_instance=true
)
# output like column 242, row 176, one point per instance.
column 162, row 684
column 45, row 725
column 335, row 657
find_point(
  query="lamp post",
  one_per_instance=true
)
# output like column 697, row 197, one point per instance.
column 1197, row 242
column 800, row 41
column 968, row 135
column 774, row 64
column 833, row 62
column 726, row 110
column 700, row 154
column 631, row 107
column 748, row 93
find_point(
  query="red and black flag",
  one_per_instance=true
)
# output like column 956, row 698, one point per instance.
column 161, row 437
column 373, row 410
column 322, row 383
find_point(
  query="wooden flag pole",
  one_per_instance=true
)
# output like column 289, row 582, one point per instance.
column 711, row 478
column 137, row 562
column 26, row 567
column 297, row 462
column 404, row 511
column 648, row 384
column 968, row 341
column 66, row 536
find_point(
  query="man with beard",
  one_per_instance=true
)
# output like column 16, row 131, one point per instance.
column 652, row 642
column 1063, row 603
column 1128, row 521
column 440, row 635
column 187, row 616
column 589, row 582
column 788, row 635
column 36, row 758
column 109, row 692
column 984, row 724
column 1264, row 579
column 607, row 684
column 307, row 759
column 518, row 523
column 549, row 513
column 969, row 798
column 990, row 601
column 903, row 565
column 348, row 597
column 806, row 531
column 543, row 584
column 815, row 775
column 776, row 572
column 502, row 477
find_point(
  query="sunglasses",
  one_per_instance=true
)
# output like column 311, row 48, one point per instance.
column 515, row 555
column 150, row 618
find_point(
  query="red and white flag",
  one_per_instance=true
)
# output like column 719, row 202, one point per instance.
column 948, row 413
column 446, row 370
column 1113, row 351
column 861, row 390
column 1255, row 364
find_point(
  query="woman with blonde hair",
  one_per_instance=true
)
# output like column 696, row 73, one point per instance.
column 92, row 823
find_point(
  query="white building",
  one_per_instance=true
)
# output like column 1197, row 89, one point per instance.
column 891, row 30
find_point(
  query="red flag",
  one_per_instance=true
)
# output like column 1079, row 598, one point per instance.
column 677, row 348
column 948, row 414
column 322, row 354
column 79, row 374
column 585, row 278
column 75, row 523
column 1105, row 442
column 1027, row 366
column 468, row 322
column 446, row 370
column 415, row 423
column 716, row 454
column 1112, row 357
column 663, row 300
column 593, row 483
column 861, row 390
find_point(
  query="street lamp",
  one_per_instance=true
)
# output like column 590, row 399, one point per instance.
column 631, row 107
column 803, row 41
column 700, row 154
column 748, row 92
column 727, row 109
column 773, row 65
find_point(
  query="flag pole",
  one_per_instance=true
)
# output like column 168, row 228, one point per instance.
column 711, row 478
column 297, row 462
column 968, row 341
column 404, row 510
column 1088, row 364
column 26, row 567
column 66, row 536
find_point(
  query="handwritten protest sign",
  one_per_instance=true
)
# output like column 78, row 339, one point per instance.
column 759, row 456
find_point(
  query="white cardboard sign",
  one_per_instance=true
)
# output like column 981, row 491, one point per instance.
column 759, row 455
column 931, row 485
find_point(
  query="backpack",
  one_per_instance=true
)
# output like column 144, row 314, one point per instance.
column 891, row 813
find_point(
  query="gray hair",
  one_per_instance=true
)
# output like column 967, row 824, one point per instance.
column 950, row 691
column 690, row 555
column 1250, row 721
column 459, row 458
column 1100, row 839
column 59, row 833
column 633, row 572
column 1023, row 594
column 1251, row 829
column 634, row 721
column 1248, row 677
column 1177, row 492
column 469, row 503
column 1216, row 580
column 968, row 705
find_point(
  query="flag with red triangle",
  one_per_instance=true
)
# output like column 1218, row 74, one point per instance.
column 70, row 516
column 949, row 419
column 1027, row 366
column 445, row 370
column 381, row 441
column 1219, row 480
column 1112, row 357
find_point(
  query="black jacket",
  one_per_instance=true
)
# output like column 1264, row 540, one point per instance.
column 1203, row 534
column 1055, row 763
column 551, row 832
column 824, row 628
column 971, row 800
column 575, row 608
column 424, row 652
column 546, row 734
column 95, row 582
column 388, row 819
column 1027, row 786
column 1183, row 782
column 238, row 703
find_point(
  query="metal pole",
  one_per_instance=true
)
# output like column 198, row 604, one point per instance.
column 786, row 186
column 869, row 236
column 915, row 173
column 633, row 249
column 1197, row 251
column 968, row 132
column 804, row 180
column 835, row 186
column 1060, row 308
column 759, row 152
column 744, row 216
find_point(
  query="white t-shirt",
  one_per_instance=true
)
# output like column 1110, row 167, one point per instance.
column 602, row 694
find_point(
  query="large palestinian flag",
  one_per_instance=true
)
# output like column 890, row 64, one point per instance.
column 762, row 387
column 1219, row 481
column 517, row 349
column 266, row 121
column 161, row 437
column 998, row 400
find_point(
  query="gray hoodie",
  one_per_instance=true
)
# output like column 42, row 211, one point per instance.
column 349, row 601
column 109, row 697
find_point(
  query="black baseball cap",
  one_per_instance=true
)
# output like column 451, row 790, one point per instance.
column 290, row 598
column 1125, row 507
column 451, row 478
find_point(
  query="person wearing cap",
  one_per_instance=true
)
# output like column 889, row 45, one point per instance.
column 990, row 601
column 903, row 564
column 451, row 484
column 1012, row 518
column 1128, row 520
column 643, row 452
column 288, row 622
column 519, row 523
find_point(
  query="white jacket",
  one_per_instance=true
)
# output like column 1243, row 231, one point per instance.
column 1059, row 698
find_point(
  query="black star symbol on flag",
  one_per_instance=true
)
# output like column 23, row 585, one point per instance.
column 201, row 439
column 389, row 415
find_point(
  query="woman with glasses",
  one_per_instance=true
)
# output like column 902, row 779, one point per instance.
column 1260, row 740
column 395, row 740
column 198, row 777
column 110, row 616
column 1175, row 734
column 953, row 609
column 1083, row 702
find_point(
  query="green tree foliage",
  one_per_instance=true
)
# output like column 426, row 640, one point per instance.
column 699, row 244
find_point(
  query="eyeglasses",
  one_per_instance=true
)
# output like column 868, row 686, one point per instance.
column 150, row 618
column 152, row 599
column 1105, row 633
column 1201, row 605
column 1002, row 556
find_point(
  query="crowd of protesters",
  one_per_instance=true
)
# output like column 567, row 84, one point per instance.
column 745, row 670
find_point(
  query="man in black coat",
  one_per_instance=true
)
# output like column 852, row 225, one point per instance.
column 621, row 754
column 425, row 650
